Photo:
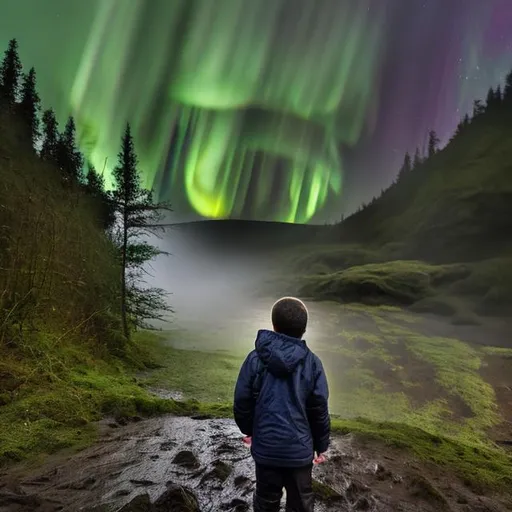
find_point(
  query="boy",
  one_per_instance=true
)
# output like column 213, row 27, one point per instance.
column 281, row 402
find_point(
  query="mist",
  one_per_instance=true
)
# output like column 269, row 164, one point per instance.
column 210, row 290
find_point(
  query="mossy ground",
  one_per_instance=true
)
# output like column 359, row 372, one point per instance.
column 350, row 273
column 51, row 404
column 55, row 410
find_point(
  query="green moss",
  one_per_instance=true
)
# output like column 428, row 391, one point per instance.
column 497, row 351
column 325, row 493
column 403, row 282
column 221, row 471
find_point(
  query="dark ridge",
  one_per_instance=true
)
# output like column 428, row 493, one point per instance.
column 242, row 235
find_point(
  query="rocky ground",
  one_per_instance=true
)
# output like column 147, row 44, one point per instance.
column 202, row 465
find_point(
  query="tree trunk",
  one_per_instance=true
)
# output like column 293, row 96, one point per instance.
column 123, row 277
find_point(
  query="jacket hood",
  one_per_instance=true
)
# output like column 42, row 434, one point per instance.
column 280, row 353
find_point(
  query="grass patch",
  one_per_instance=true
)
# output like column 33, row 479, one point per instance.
column 205, row 376
column 51, row 403
column 398, row 282
column 497, row 351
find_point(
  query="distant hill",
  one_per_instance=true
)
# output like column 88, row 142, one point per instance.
column 244, row 236
column 454, row 206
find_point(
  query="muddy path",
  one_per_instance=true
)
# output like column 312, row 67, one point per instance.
column 201, row 465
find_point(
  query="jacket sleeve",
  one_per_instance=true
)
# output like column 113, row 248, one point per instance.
column 318, row 410
column 244, row 403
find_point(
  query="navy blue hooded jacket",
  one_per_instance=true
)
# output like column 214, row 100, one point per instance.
column 281, row 401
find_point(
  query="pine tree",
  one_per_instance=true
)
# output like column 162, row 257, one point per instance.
column 69, row 159
column 10, row 73
column 30, row 105
column 466, row 121
column 417, row 159
column 490, row 101
column 498, row 96
column 95, row 187
column 138, row 216
column 94, row 182
column 433, row 143
column 478, row 108
column 51, row 137
column 507, row 91
column 406, row 167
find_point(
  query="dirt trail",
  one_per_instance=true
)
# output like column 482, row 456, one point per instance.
column 201, row 465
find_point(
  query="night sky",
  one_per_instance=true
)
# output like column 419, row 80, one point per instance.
column 291, row 110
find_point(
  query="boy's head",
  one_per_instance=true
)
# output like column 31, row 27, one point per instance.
column 290, row 317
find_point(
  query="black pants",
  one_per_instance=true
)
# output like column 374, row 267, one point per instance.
column 269, row 489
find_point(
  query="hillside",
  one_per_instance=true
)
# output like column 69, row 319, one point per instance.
column 455, row 206
column 63, row 359
column 58, row 270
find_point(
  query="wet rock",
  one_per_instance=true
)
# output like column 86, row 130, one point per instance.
column 397, row 479
column 355, row 490
column 140, row 503
column 167, row 446
column 420, row 487
column 186, row 459
column 220, row 471
column 122, row 492
column 325, row 493
column 143, row 482
column 177, row 499
column 363, row 503
column 225, row 448
column 242, row 481
column 382, row 473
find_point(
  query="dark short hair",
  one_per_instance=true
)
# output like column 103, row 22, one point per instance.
column 290, row 317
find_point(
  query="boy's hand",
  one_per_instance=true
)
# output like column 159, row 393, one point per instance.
column 319, row 458
column 247, row 440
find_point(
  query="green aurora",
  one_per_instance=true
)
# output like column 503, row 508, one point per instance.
column 218, row 92
column 265, row 109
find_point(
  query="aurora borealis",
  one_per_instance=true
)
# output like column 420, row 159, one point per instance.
column 292, row 110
